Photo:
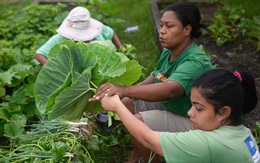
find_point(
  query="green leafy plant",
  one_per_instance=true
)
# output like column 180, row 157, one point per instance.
column 225, row 24
column 51, row 141
column 256, row 133
column 72, row 74
column 21, row 32
column 251, row 29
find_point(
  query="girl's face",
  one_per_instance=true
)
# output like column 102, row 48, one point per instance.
column 202, row 114
column 172, row 32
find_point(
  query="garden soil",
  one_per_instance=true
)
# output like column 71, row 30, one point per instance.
column 238, row 55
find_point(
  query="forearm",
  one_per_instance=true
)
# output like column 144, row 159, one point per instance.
column 139, row 130
column 116, row 41
column 148, row 80
column 148, row 92
column 152, row 92
column 41, row 58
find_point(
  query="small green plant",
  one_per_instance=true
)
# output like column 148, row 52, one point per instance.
column 251, row 29
column 256, row 133
column 225, row 24
column 230, row 24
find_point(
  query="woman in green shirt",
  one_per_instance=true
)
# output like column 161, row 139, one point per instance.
column 78, row 26
column 163, row 98
column 219, row 98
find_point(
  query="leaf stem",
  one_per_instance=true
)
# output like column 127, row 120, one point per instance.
column 93, row 85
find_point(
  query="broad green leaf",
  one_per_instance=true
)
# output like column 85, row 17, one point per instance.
column 4, row 114
column 75, row 104
column 132, row 74
column 11, row 107
column 51, row 77
column 109, row 64
column 123, row 57
column 29, row 90
column 81, row 55
column 75, row 113
column 107, row 43
column 52, row 97
column 19, row 96
column 94, row 107
column 20, row 71
column 15, row 128
column 6, row 77
column 89, row 65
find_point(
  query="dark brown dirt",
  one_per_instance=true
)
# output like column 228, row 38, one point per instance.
column 238, row 55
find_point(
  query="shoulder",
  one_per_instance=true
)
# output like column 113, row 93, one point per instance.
column 184, row 145
column 195, row 49
column 165, row 53
column 57, row 38
column 197, row 55
column 107, row 29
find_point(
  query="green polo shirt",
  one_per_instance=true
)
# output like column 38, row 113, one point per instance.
column 227, row 144
column 188, row 66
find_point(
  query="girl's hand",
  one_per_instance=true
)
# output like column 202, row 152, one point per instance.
column 110, row 103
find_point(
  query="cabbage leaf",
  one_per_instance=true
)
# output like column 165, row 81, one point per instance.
column 73, row 73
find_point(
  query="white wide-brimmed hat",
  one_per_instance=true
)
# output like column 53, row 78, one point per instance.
column 79, row 26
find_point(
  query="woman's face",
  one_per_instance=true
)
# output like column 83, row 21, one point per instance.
column 172, row 32
column 202, row 114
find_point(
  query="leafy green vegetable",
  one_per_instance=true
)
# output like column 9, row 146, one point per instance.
column 72, row 74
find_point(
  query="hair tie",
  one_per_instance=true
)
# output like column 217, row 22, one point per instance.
column 237, row 74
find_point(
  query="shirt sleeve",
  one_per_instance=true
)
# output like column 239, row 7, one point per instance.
column 184, row 147
column 45, row 48
column 187, row 72
column 106, row 34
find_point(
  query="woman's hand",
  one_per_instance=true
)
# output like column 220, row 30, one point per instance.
column 108, row 89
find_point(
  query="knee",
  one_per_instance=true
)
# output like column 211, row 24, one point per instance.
column 129, row 104
column 139, row 116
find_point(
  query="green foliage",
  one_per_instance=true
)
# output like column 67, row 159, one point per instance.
column 21, row 33
column 256, row 133
column 229, row 24
column 19, row 37
column 251, row 29
column 72, row 74
column 107, row 146
column 62, row 146
column 225, row 24
column 143, row 40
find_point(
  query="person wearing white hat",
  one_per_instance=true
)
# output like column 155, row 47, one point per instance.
column 78, row 26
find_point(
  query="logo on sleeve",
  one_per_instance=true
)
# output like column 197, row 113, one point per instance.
column 252, row 149
column 161, row 77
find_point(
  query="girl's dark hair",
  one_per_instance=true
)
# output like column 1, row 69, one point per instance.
column 187, row 13
column 223, row 88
